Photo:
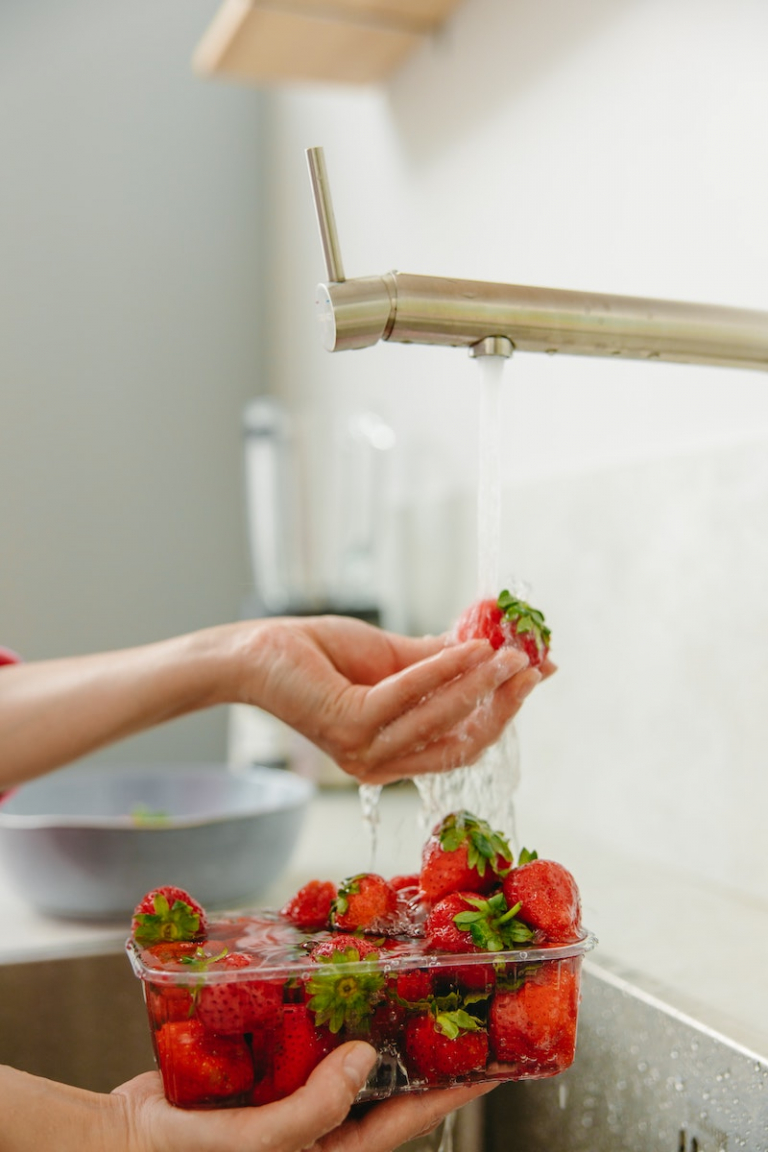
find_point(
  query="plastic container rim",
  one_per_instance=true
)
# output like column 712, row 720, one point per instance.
column 386, row 963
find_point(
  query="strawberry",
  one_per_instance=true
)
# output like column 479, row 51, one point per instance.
column 414, row 984
column 406, row 883
column 366, row 902
column 549, row 899
column 298, row 1046
column 465, row 922
column 352, row 948
column 201, row 1069
column 537, row 1021
column 168, row 913
column 168, row 1002
column 506, row 621
column 310, row 908
column 239, row 1006
column 345, row 992
column 463, row 854
column 448, row 1045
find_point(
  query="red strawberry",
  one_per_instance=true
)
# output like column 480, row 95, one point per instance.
column 310, row 908
column 172, row 1001
column 168, row 1002
column 537, row 1022
column 201, row 1069
column 549, row 899
column 168, row 913
column 463, row 854
column 366, row 902
column 506, row 621
column 351, row 947
column 414, row 984
column 239, row 1006
column 465, row 922
column 406, row 883
column 445, row 1047
column 298, row 1047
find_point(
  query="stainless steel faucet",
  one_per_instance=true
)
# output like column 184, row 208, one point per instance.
column 497, row 319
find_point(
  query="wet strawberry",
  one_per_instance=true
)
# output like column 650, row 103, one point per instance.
column 200, row 1069
column 408, row 882
column 507, row 621
column 351, row 947
column 168, row 1002
column 310, row 908
column 549, row 899
column 463, row 854
column 466, row 922
column 415, row 984
column 168, row 914
column 366, row 902
column 447, row 1046
column 537, row 1021
column 241, row 1005
column 298, row 1047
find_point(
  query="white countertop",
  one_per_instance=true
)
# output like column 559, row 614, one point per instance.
column 702, row 950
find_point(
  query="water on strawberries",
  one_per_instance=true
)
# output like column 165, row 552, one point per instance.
column 486, row 788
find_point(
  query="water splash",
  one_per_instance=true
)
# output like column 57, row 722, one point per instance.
column 488, row 787
column 370, row 795
column 489, row 476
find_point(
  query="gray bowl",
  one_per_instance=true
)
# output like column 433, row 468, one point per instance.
column 89, row 841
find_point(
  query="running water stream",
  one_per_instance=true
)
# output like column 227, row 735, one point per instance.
column 486, row 788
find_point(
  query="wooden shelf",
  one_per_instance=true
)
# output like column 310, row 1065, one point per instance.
column 265, row 42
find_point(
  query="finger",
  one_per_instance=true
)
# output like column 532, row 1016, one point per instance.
column 407, row 688
column 321, row 1105
column 434, row 715
column 402, row 1118
column 465, row 741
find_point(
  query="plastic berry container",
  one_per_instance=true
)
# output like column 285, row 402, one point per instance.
column 243, row 1017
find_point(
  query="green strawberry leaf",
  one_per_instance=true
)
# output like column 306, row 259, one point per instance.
column 176, row 922
column 525, row 618
column 344, row 991
column 452, row 1024
column 484, row 846
column 526, row 856
column 493, row 927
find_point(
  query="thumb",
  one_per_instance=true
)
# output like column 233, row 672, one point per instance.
column 322, row 1104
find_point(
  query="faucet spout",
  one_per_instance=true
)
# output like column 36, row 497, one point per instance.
column 408, row 309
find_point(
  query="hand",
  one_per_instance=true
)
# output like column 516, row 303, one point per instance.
column 384, row 706
column 315, row 1116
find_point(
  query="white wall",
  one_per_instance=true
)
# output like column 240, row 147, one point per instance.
column 612, row 145
column 129, row 335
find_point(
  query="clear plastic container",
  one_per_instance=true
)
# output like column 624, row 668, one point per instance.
column 243, row 1017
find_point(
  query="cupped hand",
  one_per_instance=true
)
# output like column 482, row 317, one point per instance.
column 385, row 706
column 316, row 1116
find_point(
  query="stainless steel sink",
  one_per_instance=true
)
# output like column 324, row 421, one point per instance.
column 646, row 1077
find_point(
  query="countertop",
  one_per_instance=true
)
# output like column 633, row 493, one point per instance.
column 703, row 951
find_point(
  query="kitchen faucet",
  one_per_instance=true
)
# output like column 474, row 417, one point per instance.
column 496, row 319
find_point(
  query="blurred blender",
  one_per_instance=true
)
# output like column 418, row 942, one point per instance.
column 318, row 545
